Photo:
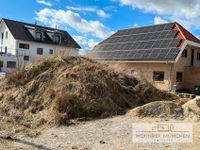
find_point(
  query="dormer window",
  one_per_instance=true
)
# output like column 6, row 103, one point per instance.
column 39, row 36
column 57, row 39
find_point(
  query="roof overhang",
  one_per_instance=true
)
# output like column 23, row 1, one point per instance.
column 187, row 42
column 137, row 61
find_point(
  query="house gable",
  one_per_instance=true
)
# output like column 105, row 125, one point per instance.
column 8, row 41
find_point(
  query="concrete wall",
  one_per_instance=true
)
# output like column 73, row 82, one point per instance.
column 192, row 77
column 145, row 70
column 184, row 65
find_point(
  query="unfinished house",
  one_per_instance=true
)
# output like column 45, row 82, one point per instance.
column 167, row 55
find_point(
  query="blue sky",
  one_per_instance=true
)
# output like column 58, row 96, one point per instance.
column 91, row 21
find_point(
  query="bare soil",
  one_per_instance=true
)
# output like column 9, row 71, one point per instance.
column 105, row 134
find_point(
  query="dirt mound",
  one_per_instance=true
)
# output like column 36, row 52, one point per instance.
column 159, row 109
column 192, row 110
column 54, row 90
column 179, row 109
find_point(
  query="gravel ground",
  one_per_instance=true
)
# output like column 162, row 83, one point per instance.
column 105, row 134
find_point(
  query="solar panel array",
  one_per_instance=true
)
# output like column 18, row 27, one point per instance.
column 145, row 43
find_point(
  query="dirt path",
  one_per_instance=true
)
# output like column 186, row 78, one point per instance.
column 106, row 134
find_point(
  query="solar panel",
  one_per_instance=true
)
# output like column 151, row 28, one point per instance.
column 145, row 43
column 148, row 52
column 156, row 45
column 161, row 56
column 174, row 50
column 168, row 26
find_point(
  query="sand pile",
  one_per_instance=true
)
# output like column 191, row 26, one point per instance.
column 159, row 109
column 192, row 110
column 54, row 90
column 169, row 109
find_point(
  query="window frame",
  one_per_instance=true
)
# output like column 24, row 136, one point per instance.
column 51, row 52
column 2, row 35
column 41, row 36
column 158, row 73
column 6, row 50
column 6, row 34
column 59, row 39
column 11, row 66
column 184, row 53
column 24, row 46
column 181, row 77
column 39, row 51
column 198, row 55
column 25, row 58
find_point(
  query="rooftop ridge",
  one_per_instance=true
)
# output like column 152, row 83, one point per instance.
column 148, row 26
column 31, row 24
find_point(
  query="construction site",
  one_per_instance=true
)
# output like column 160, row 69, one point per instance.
column 69, row 99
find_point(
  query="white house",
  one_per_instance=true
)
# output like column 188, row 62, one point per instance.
column 21, row 43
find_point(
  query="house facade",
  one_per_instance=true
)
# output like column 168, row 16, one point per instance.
column 167, row 55
column 21, row 43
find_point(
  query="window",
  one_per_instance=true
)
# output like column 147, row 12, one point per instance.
column 23, row 45
column 2, row 38
column 198, row 56
column 51, row 52
column 1, row 64
column 39, row 51
column 6, row 34
column 179, row 77
column 158, row 76
column 11, row 64
column 6, row 49
column 57, row 39
column 184, row 54
column 1, row 50
column 2, row 35
column 26, row 58
column 39, row 36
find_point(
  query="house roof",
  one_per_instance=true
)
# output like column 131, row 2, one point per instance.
column 20, row 31
column 150, row 43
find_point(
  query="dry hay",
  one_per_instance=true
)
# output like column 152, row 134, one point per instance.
column 54, row 90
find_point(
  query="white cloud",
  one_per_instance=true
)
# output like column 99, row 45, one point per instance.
column 71, row 19
column 89, row 9
column 99, row 12
column 102, row 14
column 159, row 20
column 47, row 3
column 184, row 11
column 85, row 43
